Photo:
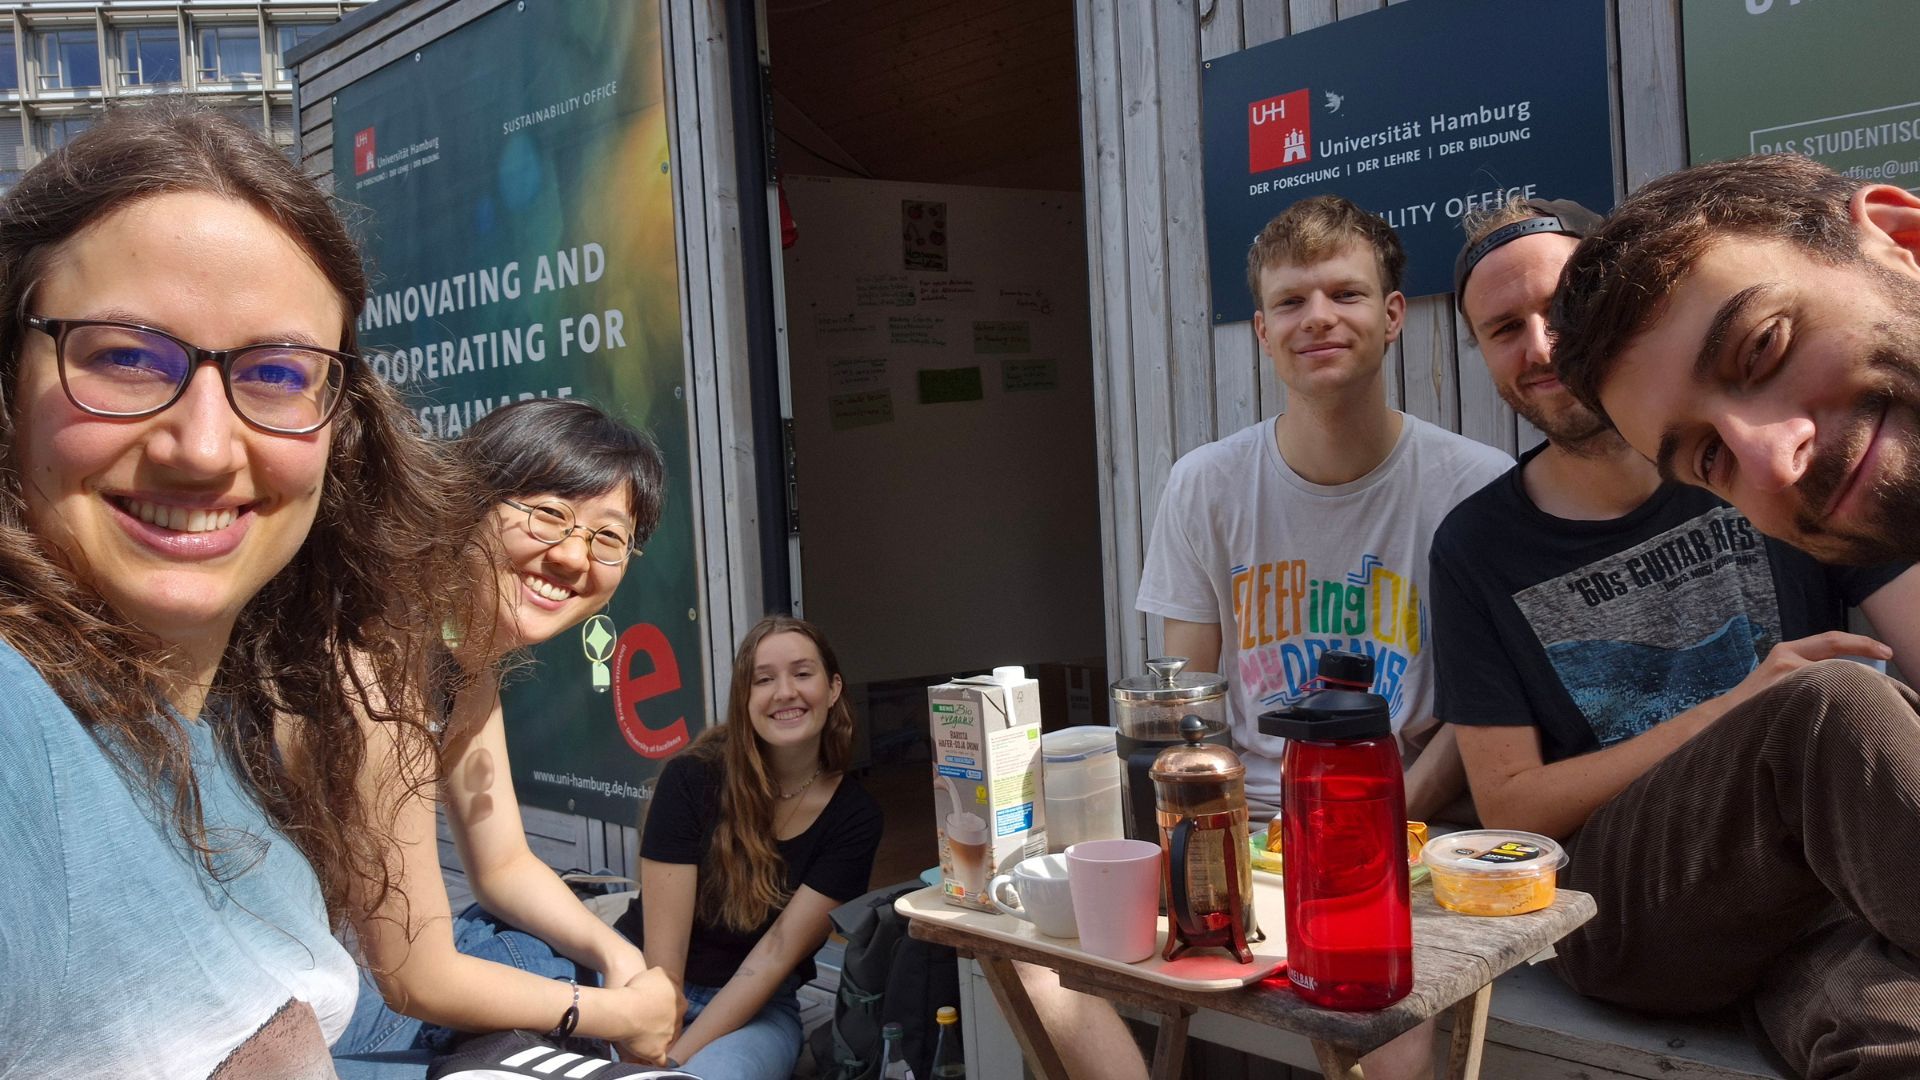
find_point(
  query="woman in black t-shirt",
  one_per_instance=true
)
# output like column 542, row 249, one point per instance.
column 754, row 835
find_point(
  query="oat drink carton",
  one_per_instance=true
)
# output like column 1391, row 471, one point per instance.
column 986, row 772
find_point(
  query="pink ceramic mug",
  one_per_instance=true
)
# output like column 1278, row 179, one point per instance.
column 1116, row 897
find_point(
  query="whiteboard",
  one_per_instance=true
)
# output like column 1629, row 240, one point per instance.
column 942, row 387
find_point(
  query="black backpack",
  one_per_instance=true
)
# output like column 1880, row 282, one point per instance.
column 887, row 976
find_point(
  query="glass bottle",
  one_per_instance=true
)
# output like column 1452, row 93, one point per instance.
column 949, row 1063
column 893, row 1054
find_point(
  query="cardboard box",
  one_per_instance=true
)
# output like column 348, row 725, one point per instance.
column 1073, row 693
column 986, row 777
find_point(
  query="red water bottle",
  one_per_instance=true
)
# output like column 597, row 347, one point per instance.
column 1344, row 842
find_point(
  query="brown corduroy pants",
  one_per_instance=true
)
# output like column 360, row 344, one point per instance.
column 1774, row 859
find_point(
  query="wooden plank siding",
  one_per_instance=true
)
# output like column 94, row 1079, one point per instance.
column 1170, row 375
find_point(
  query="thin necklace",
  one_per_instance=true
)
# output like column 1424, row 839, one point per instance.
column 801, row 790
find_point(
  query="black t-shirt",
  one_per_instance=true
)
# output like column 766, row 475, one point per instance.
column 1595, row 631
column 833, row 857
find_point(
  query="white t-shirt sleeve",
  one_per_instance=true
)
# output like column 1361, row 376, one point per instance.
column 1176, row 582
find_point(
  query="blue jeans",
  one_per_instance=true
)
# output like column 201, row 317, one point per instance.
column 381, row 1044
column 763, row 1048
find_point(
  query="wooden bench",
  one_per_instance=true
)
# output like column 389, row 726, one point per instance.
column 1537, row 1030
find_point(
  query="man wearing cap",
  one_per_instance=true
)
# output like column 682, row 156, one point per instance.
column 1593, row 628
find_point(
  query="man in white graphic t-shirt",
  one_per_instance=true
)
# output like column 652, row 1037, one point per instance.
column 1310, row 531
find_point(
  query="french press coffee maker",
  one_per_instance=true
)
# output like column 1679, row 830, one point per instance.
column 1206, row 871
column 1147, row 710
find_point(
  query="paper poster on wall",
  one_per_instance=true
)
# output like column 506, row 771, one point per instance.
column 1034, row 300
column 1417, row 112
column 923, row 234
column 917, row 329
column 1839, row 83
column 883, row 290
column 864, row 409
column 938, row 386
column 845, row 373
column 830, row 326
column 1021, row 376
column 946, row 290
column 518, row 221
column 1002, row 336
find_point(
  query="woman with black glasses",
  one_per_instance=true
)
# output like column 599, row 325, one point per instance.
column 569, row 495
column 215, row 531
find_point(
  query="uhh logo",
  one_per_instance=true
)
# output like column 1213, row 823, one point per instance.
column 363, row 152
column 1279, row 131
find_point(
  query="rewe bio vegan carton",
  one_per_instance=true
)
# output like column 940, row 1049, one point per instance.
column 986, row 765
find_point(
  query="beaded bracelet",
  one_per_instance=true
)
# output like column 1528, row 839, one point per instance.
column 569, row 1019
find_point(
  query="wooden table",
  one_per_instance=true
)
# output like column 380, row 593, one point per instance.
column 1455, row 960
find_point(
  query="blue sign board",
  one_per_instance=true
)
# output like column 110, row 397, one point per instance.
column 1421, row 112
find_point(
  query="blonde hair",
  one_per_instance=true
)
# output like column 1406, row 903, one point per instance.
column 1316, row 228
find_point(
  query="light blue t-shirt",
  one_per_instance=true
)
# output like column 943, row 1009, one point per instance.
column 119, row 955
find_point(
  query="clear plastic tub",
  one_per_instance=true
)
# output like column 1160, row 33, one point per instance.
column 1081, row 785
column 1493, row 871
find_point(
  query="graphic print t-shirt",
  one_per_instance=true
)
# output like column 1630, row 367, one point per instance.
column 1290, row 569
column 1598, row 630
column 122, row 957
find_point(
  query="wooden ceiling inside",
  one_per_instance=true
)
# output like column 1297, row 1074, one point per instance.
column 942, row 91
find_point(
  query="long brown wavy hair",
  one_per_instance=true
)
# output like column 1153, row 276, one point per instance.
column 743, row 879
column 337, row 633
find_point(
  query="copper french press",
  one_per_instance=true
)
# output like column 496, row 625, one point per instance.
column 1200, row 798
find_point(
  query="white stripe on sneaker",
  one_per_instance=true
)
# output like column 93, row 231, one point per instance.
column 556, row 1062
column 587, row 1068
column 528, row 1056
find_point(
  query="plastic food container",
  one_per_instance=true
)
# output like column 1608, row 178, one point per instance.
column 1080, row 779
column 1493, row 871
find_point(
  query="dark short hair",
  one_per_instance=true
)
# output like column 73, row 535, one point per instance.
column 569, row 448
column 1313, row 229
column 1618, row 280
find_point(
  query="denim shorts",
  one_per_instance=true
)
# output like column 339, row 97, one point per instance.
column 381, row 1044
column 764, row 1048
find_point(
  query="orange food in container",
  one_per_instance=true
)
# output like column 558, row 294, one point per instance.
column 1493, row 871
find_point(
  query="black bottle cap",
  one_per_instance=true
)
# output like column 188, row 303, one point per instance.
column 1345, row 711
column 1347, row 671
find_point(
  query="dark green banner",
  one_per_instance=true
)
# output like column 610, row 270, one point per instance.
column 1831, row 80
column 512, row 188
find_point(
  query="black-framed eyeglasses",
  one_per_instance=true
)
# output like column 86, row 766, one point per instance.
column 127, row 371
column 551, row 523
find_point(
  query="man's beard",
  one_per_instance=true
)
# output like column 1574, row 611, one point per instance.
column 1575, row 429
column 1888, row 530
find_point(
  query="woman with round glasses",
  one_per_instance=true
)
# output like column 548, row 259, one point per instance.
column 215, row 530
column 570, row 494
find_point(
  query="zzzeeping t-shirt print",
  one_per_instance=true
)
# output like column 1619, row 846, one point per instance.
column 1287, row 618
column 1644, row 634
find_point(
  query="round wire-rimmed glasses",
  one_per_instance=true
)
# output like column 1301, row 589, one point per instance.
column 551, row 523
column 126, row 371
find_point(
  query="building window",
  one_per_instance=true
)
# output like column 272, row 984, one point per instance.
column 9, row 65
column 13, row 151
column 52, row 132
column 287, row 35
column 149, row 55
column 69, row 59
column 230, row 53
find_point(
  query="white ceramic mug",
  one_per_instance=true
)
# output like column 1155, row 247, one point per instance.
column 1041, row 893
column 1116, row 897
